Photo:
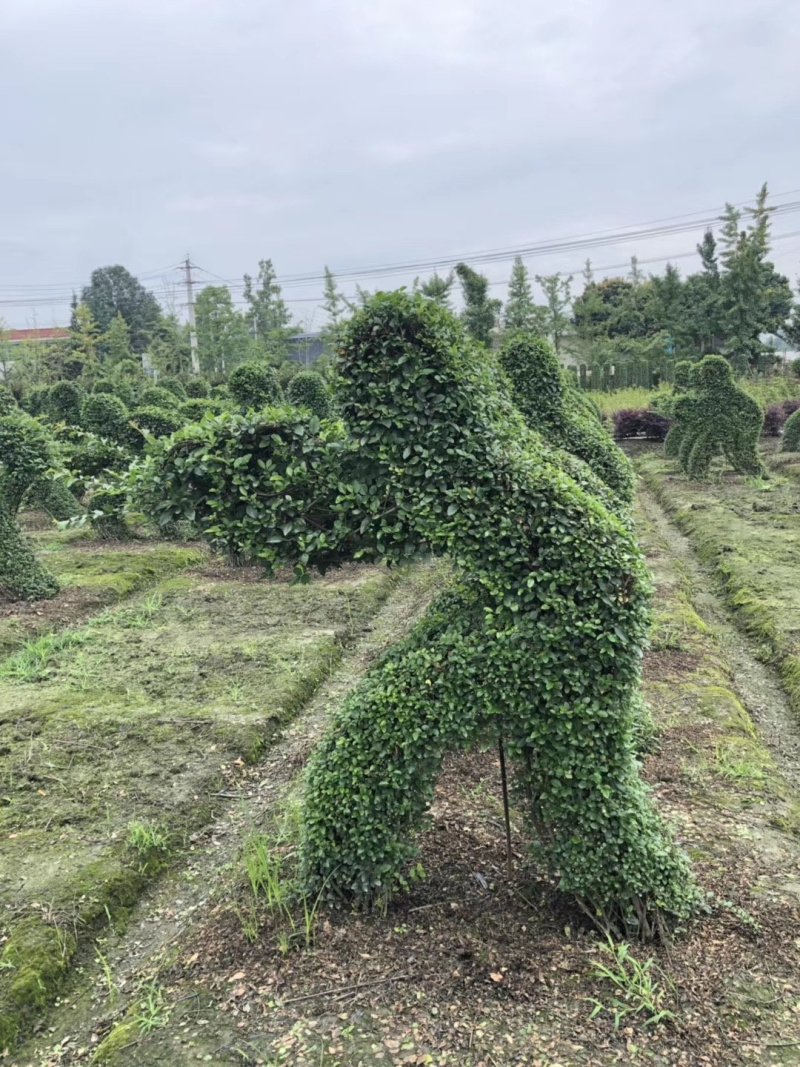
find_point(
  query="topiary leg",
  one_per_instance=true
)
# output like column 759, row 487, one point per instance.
column 372, row 779
column 672, row 442
column 742, row 454
column 53, row 496
column 22, row 577
column 703, row 450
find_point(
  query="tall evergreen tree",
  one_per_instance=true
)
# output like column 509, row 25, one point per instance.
column 116, row 341
column 268, row 315
column 481, row 311
column 437, row 289
column 223, row 339
column 558, row 297
column 521, row 311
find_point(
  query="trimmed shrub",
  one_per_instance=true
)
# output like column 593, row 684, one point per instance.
column 121, row 388
column 88, row 456
column 53, row 496
column 105, row 415
column 307, row 390
column 156, row 397
column 791, row 434
column 641, row 422
column 197, row 388
column 537, row 388
column 63, row 402
column 193, row 410
column 254, row 386
column 776, row 415
column 716, row 417
column 35, row 402
column 258, row 487
column 26, row 454
column 540, row 641
column 157, row 421
column 7, row 401
column 173, row 385
column 682, row 380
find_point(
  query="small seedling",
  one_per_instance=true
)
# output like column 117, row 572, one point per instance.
column 638, row 991
column 153, row 1010
column 149, row 841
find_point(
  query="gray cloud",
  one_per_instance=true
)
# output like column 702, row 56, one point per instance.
column 358, row 132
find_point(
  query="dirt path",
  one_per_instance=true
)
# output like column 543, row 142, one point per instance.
column 757, row 684
column 168, row 908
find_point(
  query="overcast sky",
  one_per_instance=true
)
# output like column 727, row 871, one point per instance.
column 365, row 132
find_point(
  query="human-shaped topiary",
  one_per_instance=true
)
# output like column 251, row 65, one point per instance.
column 682, row 380
column 254, row 385
column 791, row 433
column 26, row 453
column 716, row 416
column 308, row 390
column 539, row 392
column 540, row 640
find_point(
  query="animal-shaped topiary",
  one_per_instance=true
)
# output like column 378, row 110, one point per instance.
column 26, row 453
column 540, row 640
column 682, row 381
column 791, row 433
column 716, row 416
column 539, row 392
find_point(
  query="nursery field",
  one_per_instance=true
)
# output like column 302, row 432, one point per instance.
column 121, row 734
column 474, row 965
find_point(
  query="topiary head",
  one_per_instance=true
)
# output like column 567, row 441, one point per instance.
column 197, row 388
column 155, row 421
column 254, row 385
column 711, row 373
column 307, row 390
column 535, row 374
column 173, row 385
column 683, row 374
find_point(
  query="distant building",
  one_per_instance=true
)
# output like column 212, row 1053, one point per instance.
column 42, row 335
column 306, row 348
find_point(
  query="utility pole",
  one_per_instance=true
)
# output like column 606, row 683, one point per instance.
column 187, row 266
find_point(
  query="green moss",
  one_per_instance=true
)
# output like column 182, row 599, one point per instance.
column 113, row 1049
column 752, row 553
column 35, row 959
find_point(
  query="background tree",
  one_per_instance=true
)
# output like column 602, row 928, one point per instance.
column 481, row 311
column 521, row 311
column 438, row 289
column 84, row 341
column 268, row 316
column 114, row 291
column 169, row 349
column 116, row 341
column 558, row 297
column 335, row 306
column 223, row 339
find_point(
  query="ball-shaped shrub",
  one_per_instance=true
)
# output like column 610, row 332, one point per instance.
column 154, row 396
column 173, row 385
column 791, row 434
column 197, row 388
column 35, row 401
column 105, row 415
column 307, row 390
column 64, row 402
column 261, row 486
column 88, row 456
column 155, row 421
column 26, row 454
column 254, row 385
column 194, row 409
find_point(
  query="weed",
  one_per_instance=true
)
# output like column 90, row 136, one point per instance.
column 148, row 839
column 638, row 992
column 32, row 661
column 108, row 977
column 265, row 872
column 152, row 1010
